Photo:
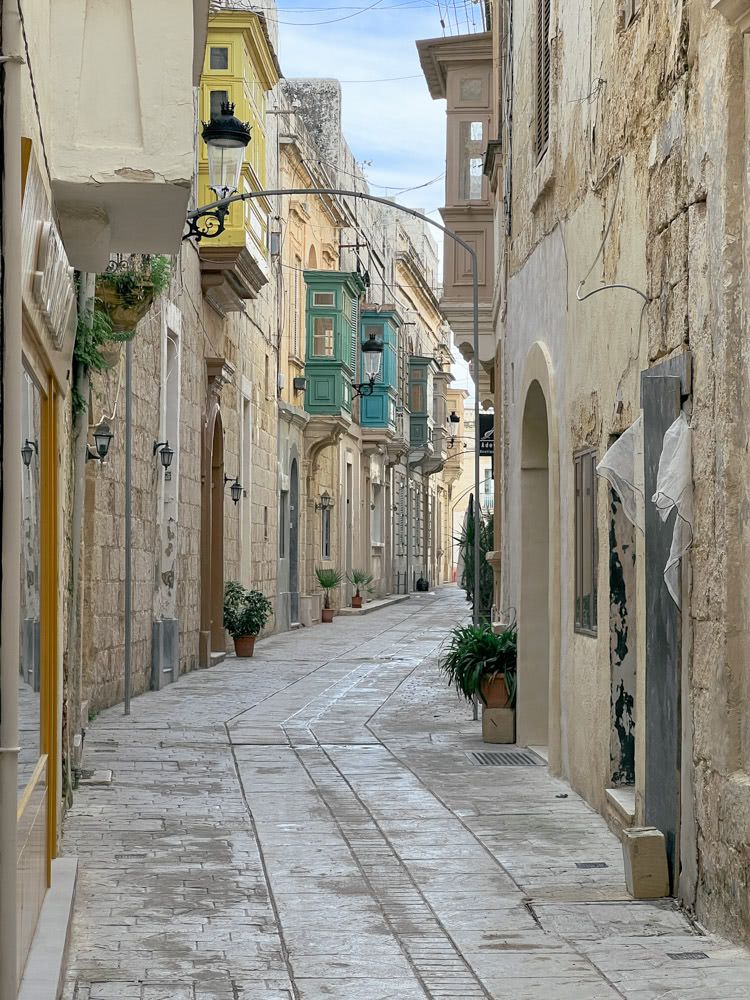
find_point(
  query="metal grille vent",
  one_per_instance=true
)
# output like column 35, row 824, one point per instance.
column 504, row 758
column 687, row 956
column 591, row 864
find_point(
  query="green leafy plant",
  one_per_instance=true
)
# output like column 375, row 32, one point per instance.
column 136, row 283
column 360, row 579
column 477, row 655
column 93, row 333
column 466, row 544
column 329, row 578
column 245, row 611
column 136, row 286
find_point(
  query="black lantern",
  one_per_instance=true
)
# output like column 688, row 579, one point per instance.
column 28, row 451
column 166, row 454
column 372, row 358
column 326, row 502
column 226, row 138
column 235, row 490
column 102, row 440
column 454, row 418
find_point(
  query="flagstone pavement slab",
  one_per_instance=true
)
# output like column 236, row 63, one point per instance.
column 307, row 825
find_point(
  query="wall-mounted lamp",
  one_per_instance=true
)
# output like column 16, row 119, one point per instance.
column 235, row 490
column 372, row 358
column 166, row 454
column 299, row 383
column 326, row 502
column 453, row 418
column 102, row 440
column 30, row 448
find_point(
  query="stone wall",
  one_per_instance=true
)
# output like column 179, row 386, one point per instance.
column 643, row 185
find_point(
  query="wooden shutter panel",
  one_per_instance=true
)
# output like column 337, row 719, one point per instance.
column 542, row 76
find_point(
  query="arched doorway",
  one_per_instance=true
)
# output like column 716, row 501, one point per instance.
column 212, row 543
column 533, row 612
column 294, row 542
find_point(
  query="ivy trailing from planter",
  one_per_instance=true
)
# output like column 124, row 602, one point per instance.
column 123, row 297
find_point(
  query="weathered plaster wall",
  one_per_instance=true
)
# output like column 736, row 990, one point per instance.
column 666, row 93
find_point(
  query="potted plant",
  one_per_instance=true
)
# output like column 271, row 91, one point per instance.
column 245, row 615
column 360, row 580
column 481, row 663
column 329, row 578
column 127, row 288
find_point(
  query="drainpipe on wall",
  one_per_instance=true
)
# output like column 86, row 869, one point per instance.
column 10, row 498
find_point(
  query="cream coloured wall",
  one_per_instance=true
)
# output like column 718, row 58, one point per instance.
column 665, row 93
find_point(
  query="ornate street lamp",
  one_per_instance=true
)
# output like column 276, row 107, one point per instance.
column 326, row 501
column 454, row 418
column 372, row 358
column 226, row 138
column 102, row 440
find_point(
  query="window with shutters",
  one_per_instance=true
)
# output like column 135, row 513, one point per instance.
column 351, row 314
column 586, row 543
column 297, row 293
column 542, row 76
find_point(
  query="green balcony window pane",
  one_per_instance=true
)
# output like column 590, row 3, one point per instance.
column 323, row 337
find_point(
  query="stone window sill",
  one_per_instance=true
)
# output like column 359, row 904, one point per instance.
column 542, row 179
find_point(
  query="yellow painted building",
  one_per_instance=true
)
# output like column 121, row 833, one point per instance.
column 240, row 68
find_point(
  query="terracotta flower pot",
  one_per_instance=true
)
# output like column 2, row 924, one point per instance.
column 326, row 615
column 357, row 601
column 244, row 645
column 495, row 693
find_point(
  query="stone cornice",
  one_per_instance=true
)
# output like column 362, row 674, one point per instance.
column 219, row 373
column 435, row 54
column 293, row 414
column 323, row 432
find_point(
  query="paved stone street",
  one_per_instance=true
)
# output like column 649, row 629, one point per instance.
column 308, row 824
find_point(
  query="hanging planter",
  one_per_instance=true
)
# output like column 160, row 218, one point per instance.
column 127, row 289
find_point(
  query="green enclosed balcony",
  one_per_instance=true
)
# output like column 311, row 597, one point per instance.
column 378, row 410
column 421, row 389
column 332, row 340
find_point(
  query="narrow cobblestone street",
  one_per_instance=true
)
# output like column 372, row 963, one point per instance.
column 307, row 824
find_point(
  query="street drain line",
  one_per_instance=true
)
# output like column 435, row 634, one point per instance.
column 504, row 758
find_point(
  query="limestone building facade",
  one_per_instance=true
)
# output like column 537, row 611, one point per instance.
column 616, row 163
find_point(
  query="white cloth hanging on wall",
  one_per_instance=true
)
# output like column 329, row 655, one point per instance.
column 674, row 491
column 619, row 466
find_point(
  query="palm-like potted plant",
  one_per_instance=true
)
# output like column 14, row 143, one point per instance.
column 245, row 615
column 482, row 663
column 360, row 579
column 329, row 578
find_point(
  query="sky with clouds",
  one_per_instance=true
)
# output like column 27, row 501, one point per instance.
column 393, row 126
column 395, row 129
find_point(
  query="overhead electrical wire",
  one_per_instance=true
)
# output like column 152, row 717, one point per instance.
column 386, row 79
column 313, row 24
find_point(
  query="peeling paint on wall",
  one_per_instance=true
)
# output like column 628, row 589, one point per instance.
column 622, row 643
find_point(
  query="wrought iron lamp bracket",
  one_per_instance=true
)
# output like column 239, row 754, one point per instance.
column 208, row 224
